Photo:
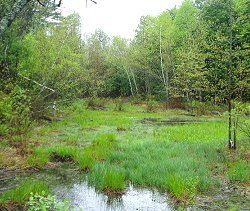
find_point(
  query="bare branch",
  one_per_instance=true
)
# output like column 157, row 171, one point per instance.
column 59, row 4
column 41, row 85
column 41, row 3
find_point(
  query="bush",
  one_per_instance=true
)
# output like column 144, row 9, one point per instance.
column 176, row 103
column 14, row 112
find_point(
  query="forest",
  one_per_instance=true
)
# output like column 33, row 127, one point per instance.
column 162, row 117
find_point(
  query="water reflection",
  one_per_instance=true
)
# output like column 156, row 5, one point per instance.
column 84, row 197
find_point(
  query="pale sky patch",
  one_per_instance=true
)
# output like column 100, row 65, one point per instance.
column 115, row 17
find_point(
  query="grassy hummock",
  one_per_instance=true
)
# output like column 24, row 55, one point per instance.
column 21, row 193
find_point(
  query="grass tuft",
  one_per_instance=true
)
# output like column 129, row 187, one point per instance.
column 239, row 172
column 22, row 193
column 107, row 178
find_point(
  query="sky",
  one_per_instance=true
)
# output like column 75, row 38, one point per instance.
column 115, row 17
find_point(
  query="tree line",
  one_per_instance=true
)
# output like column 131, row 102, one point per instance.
column 182, row 54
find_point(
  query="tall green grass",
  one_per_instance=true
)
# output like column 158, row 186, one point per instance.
column 21, row 193
column 181, row 168
column 107, row 178
column 239, row 171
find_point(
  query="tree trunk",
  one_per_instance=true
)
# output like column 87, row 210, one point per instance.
column 130, row 83
column 7, row 20
column 136, row 87
column 230, row 141
column 165, row 79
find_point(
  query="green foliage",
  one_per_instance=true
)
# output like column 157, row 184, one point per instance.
column 14, row 112
column 240, row 115
column 179, row 54
column 42, row 202
column 182, row 53
column 21, row 193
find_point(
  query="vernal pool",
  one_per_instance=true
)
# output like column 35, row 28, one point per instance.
column 83, row 197
column 70, row 185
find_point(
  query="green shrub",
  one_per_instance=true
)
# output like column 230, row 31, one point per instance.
column 42, row 202
column 14, row 112
column 5, row 114
column 204, row 108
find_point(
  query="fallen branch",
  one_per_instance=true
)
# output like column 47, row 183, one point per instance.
column 41, row 85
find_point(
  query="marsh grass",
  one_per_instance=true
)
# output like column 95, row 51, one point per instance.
column 86, row 157
column 107, row 178
column 21, row 193
column 239, row 171
column 181, row 168
column 183, row 160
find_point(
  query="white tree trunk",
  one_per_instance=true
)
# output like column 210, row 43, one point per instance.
column 129, row 80
column 164, row 76
column 136, row 87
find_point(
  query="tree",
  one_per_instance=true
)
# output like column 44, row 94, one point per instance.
column 119, row 61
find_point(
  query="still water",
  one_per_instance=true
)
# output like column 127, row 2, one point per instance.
column 83, row 197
